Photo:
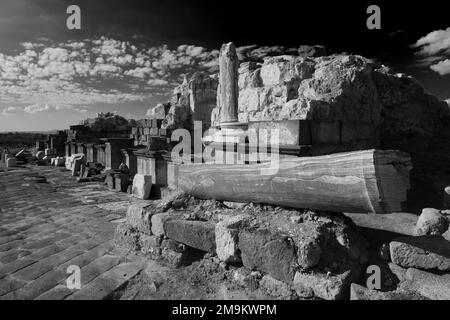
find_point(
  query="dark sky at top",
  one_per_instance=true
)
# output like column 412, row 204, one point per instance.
column 338, row 25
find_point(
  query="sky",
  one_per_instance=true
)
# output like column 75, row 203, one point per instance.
column 129, row 55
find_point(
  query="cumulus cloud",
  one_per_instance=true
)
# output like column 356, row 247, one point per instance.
column 48, row 77
column 12, row 110
column 71, row 73
column 434, row 51
column 442, row 67
column 38, row 107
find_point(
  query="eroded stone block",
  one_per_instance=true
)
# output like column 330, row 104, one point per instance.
column 196, row 234
column 142, row 186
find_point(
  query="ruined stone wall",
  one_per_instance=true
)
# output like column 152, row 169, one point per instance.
column 193, row 100
column 346, row 88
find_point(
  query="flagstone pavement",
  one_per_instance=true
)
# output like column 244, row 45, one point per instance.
column 47, row 227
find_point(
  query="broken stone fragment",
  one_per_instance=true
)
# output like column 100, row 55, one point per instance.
column 139, row 216
column 268, row 252
column 142, row 186
column 176, row 259
column 245, row 278
column 125, row 236
column 433, row 286
column 325, row 286
column 227, row 232
column 196, row 234
column 157, row 223
column 150, row 245
column 431, row 222
column 308, row 253
column 424, row 252
column 277, row 289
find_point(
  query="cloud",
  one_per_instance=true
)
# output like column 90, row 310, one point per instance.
column 442, row 67
column 48, row 77
column 435, row 51
column 12, row 110
column 92, row 71
column 448, row 101
column 434, row 42
column 157, row 82
column 35, row 108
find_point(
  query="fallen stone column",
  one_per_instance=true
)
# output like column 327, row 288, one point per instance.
column 363, row 181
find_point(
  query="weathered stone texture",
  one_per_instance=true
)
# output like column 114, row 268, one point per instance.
column 424, row 252
column 196, row 234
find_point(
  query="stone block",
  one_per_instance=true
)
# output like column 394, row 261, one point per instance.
column 196, row 234
column 433, row 286
column 268, row 252
column 424, row 252
column 59, row 161
column 11, row 162
column 431, row 222
column 110, row 181
column 121, row 181
column 172, row 175
column 157, row 223
column 226, row 233
column 142, row 186
column 139, row 216
column 328, row 287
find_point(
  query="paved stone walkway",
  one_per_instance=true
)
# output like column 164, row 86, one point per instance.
column 46, row 227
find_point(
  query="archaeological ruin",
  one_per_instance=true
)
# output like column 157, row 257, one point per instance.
column 290, row 175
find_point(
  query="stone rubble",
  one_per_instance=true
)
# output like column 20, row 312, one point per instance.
column 177, row 227
column 431, row 222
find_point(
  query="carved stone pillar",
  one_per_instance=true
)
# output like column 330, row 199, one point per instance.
column 228, row 79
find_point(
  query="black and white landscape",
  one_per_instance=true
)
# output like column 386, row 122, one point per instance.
column 218, row 151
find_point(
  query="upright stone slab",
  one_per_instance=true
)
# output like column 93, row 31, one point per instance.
column 11, row 162
column 142, row 186
column 122, row 180
column 67, row 147
column 113, row 153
